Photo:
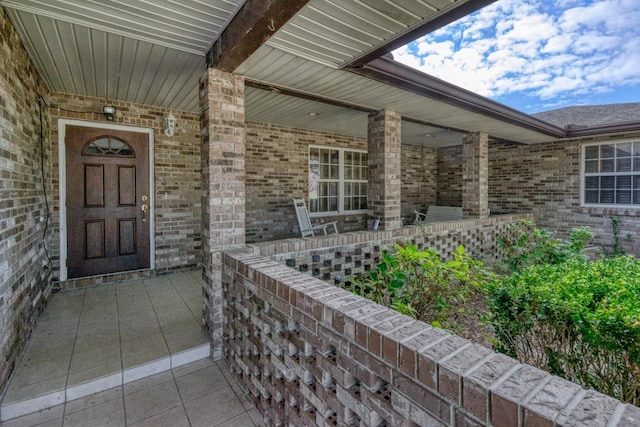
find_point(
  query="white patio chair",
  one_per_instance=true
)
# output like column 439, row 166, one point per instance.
column 438, row 214
column 304, row 222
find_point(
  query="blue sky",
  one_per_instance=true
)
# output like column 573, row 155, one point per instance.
column 538, row 55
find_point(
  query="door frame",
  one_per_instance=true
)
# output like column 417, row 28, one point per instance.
column 62, row 175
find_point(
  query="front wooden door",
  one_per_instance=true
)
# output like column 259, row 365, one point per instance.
column 108, row 205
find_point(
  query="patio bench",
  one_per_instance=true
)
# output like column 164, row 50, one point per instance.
column 438, row 214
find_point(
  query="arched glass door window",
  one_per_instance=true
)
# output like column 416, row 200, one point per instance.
column 108, row 146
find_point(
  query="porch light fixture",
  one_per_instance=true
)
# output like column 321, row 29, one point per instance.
column 169, row 125
column 314, row 113
column 109, row 112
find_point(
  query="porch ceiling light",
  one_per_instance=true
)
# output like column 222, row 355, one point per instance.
column 314, row 113
column 169, row 124
column 109, row 112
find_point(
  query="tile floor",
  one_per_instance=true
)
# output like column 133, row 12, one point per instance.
column 200, row 393
column 108, row 336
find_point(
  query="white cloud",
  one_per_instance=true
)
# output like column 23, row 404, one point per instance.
column 552, row 50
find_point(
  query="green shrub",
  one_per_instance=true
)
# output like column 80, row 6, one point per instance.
column 524, row 245
column 420, row 284
column 577, row 319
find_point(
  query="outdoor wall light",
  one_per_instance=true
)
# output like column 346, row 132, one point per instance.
column 109, row 112
column 169, row 125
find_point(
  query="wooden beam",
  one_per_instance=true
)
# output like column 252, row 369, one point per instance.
column 426, row 27
column 253, row 25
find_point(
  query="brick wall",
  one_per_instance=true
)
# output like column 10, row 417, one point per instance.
column 309, row 353
column 277, row 171
column 223, row 153
column 385, row 174
column 449, row 181
column 177, row 177
column 344, row 255
column 24, row 283
column 419, row 180
column 545, row 179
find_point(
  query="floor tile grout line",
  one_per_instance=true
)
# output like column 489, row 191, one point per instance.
column 88, row 302
column 200, row 285
column 153, row 307
column 73, row 348
column 184, row 408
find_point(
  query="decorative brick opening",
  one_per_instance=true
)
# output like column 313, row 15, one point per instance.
column 309, row 353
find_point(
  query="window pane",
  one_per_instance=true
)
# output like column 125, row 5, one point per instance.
column 348, row 172
column 591, row 166
column 607, row 165
column 324, row 205
column 607, row 182
column 334, row 172
column 333, row 188
column 592, row 182
column 623, row 182
column 607, row 196
column 591, row 196
column 624, row 165
column 348, row 204
column 636, row 148
column 636, row 197
column 333, row 204
column 607, row 151
column 636, row 165
column 591, row 152
column 324, row 156
column 623, row 150
column 623, row 197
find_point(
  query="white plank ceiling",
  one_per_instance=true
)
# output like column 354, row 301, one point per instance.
column 152, row 52
column 335, row 32
column 308, row 52
column 143, row 51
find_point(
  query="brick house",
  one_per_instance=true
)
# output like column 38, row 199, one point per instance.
column 263, row 95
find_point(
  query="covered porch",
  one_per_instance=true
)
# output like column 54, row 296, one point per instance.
column 222, row 182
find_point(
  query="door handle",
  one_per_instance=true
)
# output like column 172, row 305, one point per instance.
column 144, row 208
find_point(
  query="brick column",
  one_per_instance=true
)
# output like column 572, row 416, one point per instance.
column 385, row 173
column 475, row 175
column 223, row 192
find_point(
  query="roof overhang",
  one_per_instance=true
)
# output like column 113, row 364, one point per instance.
column 296, row 55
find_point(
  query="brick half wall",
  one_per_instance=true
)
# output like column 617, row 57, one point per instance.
column 309, row 353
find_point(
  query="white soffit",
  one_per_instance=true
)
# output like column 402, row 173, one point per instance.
column 335, row 32
column 272, row 107
column 273, row 66
column 143, row 51
column 307, row 52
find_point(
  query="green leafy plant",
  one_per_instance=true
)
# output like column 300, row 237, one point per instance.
column 576, row 319
column 524, row 245
column 420, row 284
column 616, row 223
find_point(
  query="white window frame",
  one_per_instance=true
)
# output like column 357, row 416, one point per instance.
column 341, row 181
column 583, row 175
